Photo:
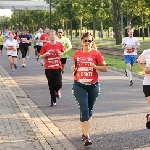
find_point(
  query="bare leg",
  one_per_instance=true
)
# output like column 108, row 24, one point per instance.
column 1, row 52
column 85, row 127
column 11, row 63
column 63, row 67
column 14, row 59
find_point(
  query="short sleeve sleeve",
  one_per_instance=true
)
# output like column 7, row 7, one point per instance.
column 100, row 58
column 141, row 58
column 43, row 50
column 62, row 48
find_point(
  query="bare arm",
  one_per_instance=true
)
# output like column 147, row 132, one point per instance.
column 142, row 67
column 44, row 55
column 100, row 67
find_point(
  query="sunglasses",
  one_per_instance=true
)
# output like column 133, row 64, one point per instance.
column 59, row 32
column 89, row 41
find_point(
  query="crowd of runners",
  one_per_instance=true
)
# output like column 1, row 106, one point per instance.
column 51, row 50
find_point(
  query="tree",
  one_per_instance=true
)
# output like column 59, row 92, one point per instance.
column 116, row 20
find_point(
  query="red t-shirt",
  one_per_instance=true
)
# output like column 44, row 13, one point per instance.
column 85, row 73
column 16, row 37
column 44, row 36
column 53, row 60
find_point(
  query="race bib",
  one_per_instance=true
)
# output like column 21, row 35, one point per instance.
column 130, row 50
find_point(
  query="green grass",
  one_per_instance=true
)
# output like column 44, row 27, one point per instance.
column 118, row 63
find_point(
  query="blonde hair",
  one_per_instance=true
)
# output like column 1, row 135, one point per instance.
column 94, row 47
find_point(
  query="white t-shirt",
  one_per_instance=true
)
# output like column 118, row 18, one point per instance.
column 14, row 44
column 145, row 58
column 37, row 37
column 129, row 42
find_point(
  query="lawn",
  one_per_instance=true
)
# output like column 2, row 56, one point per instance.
column 117, row 63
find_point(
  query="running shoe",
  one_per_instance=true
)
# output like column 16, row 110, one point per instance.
column 41, row 63
column 83, row 137
column 37, row 58
column 131, row 82
column 53, row 104
column 23, row 65
column 87, row 141
column 58, row 94
column 28, row 57
column 15, row 66
column 12, row 72
column 148, row 122
column 126, row 73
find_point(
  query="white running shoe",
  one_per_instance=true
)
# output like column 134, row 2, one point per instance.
column 23, row 65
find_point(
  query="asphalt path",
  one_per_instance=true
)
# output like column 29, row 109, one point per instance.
column 119, row 115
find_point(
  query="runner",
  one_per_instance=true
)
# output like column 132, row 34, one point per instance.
column 29, row 47
column 43, row 39
column 23, row 46
column 67, row 46
column 130, row 45
column 144, row 64
column 11, row 46
column 2, row 37
column 38, row 43
column 34, row 45
column 86, row 88
column 51, row 52
column 16, row 37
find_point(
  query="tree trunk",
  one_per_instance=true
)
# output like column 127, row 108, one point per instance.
column 94, row 25
column 101, row 30
column 71, row 28
column 116, row 21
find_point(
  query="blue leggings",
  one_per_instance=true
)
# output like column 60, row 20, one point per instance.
column 85, row 95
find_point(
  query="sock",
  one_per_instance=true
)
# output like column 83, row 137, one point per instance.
column 129, row 73
column 130, row 76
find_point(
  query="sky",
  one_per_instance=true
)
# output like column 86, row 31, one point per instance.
column 6, row 12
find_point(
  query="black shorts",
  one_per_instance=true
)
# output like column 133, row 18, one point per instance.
column 63, row 60
column 146, row 90
column 1, row 47
column 38, row 48
column 35, row 46
column 12, row 56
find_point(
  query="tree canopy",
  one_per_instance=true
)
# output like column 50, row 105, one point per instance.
column 76, row 14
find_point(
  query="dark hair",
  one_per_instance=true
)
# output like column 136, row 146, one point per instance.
column 86, row 35
column 89, row 34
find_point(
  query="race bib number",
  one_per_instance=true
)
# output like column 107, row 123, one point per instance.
column 130, row 50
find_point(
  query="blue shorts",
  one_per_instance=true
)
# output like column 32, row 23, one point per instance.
column 129, row 59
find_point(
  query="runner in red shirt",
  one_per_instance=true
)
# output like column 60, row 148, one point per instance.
column 16, row 37
column 51, row 52
column 45, row 36
column 86, row 88
column 43, row 39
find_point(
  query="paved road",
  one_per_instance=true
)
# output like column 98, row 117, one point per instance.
column 119, row 113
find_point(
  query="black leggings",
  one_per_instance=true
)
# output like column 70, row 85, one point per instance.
column 23, row 49
column 54, row 78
